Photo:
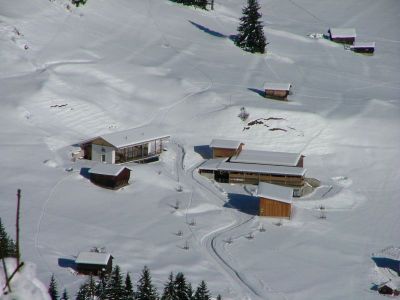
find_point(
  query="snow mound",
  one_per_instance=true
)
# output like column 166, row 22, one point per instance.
column 50, row 163
column 343, row 181
column 202, row 208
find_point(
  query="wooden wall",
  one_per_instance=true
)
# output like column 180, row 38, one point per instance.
column 222, row 152
column 111, row 182
column 273, row 208
column 278, row 94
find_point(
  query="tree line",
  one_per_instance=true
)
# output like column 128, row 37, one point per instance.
column 7, row 244
column 115, row 287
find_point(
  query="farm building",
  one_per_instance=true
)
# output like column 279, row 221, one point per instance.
column 342, row 35
column 363, row 47
column 225, row 148
column 277, row 90
column 93, row 263
column 268, row 158
column 110, row 176
column 275, row 200
column 222, row 170
column 138, row 144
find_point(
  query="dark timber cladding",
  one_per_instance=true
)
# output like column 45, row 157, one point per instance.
column 342, row 35
column 110, row 176
column 275, row 201
column 367, row 48
column 225, row 148
column 278, row 91
column 94, row 263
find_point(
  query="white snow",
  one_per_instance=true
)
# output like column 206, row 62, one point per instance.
column 110, row 66
column 275, row 192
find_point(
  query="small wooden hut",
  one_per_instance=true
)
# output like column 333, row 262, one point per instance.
column 389, row 288
column 363, row 47
column 275, row 200
column 225, row 148
column 342, row 35
column 278, row 91
column 94, row 263
column 110, row 176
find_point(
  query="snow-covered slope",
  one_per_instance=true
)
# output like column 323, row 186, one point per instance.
column 113, row 65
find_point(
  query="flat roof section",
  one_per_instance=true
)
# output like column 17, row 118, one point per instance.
column 267, row 158
column 107, row 169
column 275, row 192
column 93, row 258
column 342, row 32
column 277, row 86
column 262, row 169
column 227, row 144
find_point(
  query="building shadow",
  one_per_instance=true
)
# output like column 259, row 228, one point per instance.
column 85, row 173
column 257, row 91
column 204, row 150
column 208, row 30
column 384, row 262
column 244, row 203
column 66, row 263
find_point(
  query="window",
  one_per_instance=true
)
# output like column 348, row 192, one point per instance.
column 103, row 158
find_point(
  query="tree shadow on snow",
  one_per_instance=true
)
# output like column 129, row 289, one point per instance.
column 207, row 30
column 85, row 173
column 257, row 91
column 244, row 203
column 66, row 263
column 204, row 150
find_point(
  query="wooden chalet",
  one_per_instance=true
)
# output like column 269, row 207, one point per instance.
column 278, row 91
column 253, row 167
column 389, row 288
column 363, row 47
column 138, row 144
column 342, row 35
column 225, row 148
column 110, row 176
column 275, row 200
column 94, row 263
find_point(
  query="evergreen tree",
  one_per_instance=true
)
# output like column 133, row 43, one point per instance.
column 183, row 291
column 129, row 295
column 201, row 3
column 79, row 2
column 82, row 292
column 53, row 288
column 7, row 245
column 250, row 35
column 145, row 289
column 101, row 291
column 64, row 295
column 219, row 297
column 115, row 289
column 169, row 292
column 202, row 292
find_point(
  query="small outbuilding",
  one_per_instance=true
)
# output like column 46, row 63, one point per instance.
column 278, row 91
column 275, row 200
column 342, row 35
column 363, row 47
column 94, row 263
column 110, row 176
column 225, row 148
column 390, row 288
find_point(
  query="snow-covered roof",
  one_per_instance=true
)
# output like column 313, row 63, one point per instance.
column 94, row 258
column 277, row 86
column 228, row 144
column 267, row 158
column 390, row 252
column 134, row 136
column 363, row 45
column 223, row 165
column 342, row 32
column 275, row 192
column 107, row 169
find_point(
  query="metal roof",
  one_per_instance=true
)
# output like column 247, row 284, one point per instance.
column 275, row 192
column 363, row 45
column 277, row 86
column 212, row 164
column 93, row 258
column 228, row 144
column 107, row 169
column 342, row 32
column 267, row 158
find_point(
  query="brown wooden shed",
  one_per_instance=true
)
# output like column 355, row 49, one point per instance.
column 342, row 35
column 94, row 263
column 225, row 148
column 275, row 200
column 363, row 47
column 278, row 91
column 110, row 176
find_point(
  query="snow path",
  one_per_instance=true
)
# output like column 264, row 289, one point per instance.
column 213, row 242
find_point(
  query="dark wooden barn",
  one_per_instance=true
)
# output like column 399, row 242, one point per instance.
column 366, row 48
column 110, row 176
column 389, row 288
column 278, row 91
column 94, row 263
column 275, row 200
column 342, row 35
column 225, row 148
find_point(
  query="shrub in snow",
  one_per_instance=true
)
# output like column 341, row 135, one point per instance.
column 243, row 115
column 78, row 2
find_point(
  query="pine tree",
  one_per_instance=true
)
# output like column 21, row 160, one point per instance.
column 219, row 297
column 250, row 35
column 169, row 292
column 82, row 292
column 181, row 287
column 115, row 289
column 7, row 245
column 201, row 3
column 202, row 292
column 53, row 288
column 101, row 291
column 145, row 289
column 64, row 295
column 129, row 295
column 79, row 2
